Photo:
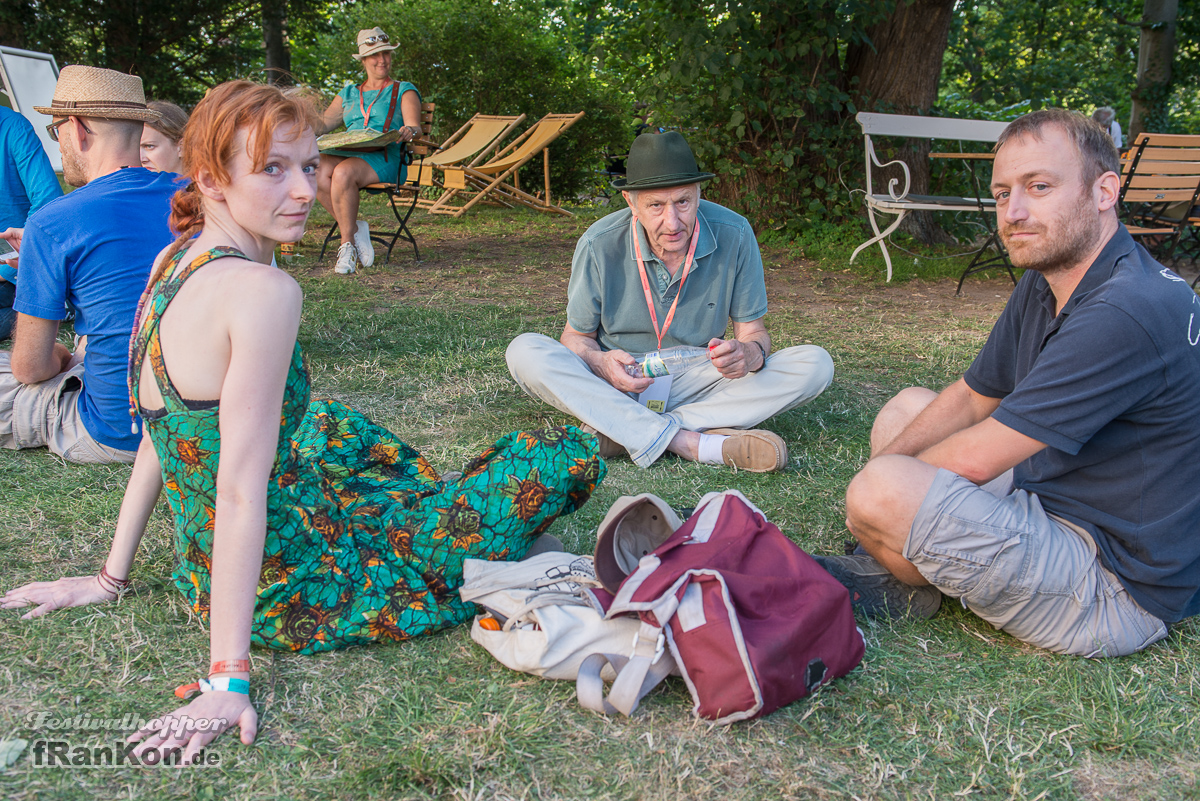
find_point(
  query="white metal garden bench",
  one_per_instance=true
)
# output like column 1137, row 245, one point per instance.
column 901, row 202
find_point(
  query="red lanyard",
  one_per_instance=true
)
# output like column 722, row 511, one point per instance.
column 366, row 112
column 687, row 266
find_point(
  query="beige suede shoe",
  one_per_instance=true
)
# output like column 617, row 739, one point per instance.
column 608, row 447
column 755, row 450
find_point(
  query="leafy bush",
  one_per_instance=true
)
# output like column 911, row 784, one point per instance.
column 758, row 88
column 474, row 56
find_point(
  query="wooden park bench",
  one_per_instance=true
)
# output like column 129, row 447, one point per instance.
column 898, row 201
column 1160, row 188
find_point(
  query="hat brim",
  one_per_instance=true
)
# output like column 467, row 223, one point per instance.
column 373, row 51
column 663, row 181
column 610, row 554
column 139, row 115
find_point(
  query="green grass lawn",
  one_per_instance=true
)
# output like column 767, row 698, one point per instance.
column 938, row 709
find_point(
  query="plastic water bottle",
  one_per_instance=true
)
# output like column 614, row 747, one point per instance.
column 668, row 361
column 288, row 251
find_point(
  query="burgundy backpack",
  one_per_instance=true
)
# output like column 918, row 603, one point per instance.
column 752, row 621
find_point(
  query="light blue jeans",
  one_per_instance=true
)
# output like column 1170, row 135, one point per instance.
column 701, row 398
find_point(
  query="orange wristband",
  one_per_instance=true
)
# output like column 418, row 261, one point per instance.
column 230, row 666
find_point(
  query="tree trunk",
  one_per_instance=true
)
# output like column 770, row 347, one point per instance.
column 899, row 74
column 278, row 56
column 1156, row 51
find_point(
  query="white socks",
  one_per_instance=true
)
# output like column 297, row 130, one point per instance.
column 709, row 450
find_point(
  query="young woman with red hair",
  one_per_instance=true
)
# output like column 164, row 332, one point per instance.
column 299, row 526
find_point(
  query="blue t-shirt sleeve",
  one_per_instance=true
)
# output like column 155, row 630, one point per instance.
column 42, row 274
column 749, row 301
column 1100, row 364
column 33, row 166
column 583, row 290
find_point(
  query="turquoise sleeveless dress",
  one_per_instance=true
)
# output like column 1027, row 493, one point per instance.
column 389, row 162
column 364, row 540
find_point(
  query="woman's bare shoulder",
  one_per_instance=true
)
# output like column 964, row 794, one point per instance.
column 252, row 283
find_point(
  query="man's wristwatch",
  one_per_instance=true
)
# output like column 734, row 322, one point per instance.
column 763, row 351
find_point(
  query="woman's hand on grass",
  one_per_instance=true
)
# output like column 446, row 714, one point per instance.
column 46, row 596
column 192, row 727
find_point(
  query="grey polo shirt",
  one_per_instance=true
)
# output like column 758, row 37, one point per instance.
column 725, row 283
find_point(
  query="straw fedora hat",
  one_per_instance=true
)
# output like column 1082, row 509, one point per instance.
column 95, row 92
column 370, row 41
column 660, row 161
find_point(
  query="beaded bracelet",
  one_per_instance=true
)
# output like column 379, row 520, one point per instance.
column 221, row 684
column 114, row 585
column 230, row 666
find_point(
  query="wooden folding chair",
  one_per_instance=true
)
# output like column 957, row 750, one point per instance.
column 1160, row 184
column 470, row 144
column 490, row 182
column 401, row 197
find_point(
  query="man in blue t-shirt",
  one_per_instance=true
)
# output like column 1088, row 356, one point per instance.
column 1053, row 488
column 27, row 182
column 92, row 249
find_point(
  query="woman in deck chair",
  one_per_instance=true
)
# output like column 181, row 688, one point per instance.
column 299, row 526
column 382, row 104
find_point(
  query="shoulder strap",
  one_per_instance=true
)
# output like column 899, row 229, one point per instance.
column 637, row 674
column 387, row 124
column 145, row 334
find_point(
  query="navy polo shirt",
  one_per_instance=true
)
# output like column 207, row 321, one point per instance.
column 1112, row 386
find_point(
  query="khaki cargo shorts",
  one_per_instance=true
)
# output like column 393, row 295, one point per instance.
column 46, row 414
column 1025, row 571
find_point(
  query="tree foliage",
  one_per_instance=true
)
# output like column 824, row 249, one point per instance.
column 762, row 91
column 179, row 49
column 477, row 56
column 1006, row 57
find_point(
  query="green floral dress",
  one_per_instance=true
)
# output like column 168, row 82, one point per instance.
column 364, row 540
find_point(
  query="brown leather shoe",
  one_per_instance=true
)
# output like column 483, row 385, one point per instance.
column 756, row 450
column 608, row 447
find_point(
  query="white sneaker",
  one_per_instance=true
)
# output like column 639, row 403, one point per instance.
column 347, row 256
column 362, row 241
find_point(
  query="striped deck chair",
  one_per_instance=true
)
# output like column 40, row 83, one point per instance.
column 496, row 181
column 470, row 144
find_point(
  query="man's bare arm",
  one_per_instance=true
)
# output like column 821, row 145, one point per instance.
column 36, row 353
column 957, row 432
column 983, row 451
column 956, row 408
column 609, row 365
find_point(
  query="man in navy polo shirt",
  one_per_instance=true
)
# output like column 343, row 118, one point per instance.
column 1053, row 488
column 92, row 249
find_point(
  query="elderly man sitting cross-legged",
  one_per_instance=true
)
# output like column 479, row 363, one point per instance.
column 671, row 269
column 1053, row 488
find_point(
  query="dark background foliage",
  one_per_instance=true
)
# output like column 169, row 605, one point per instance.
column 475, row 56
column 765, row 90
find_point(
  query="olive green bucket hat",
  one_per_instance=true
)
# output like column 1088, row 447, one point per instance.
column 659, row 161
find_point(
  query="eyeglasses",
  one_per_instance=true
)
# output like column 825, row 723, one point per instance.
column 370, row 40
column 52, row 129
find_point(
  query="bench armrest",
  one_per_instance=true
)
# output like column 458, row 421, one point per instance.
column 872, row 158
